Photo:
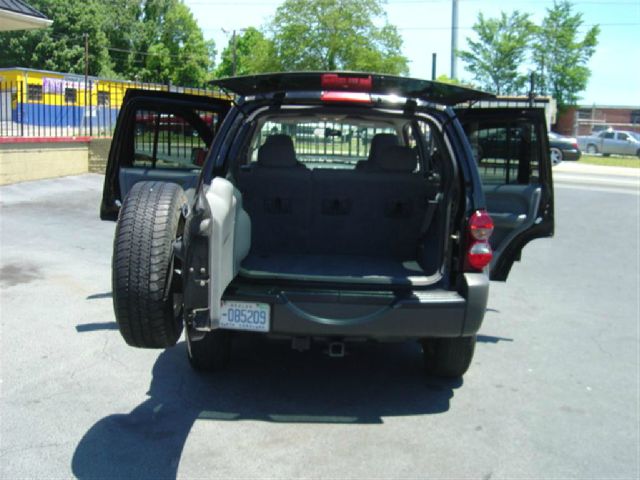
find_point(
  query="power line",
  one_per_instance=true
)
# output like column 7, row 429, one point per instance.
column 471, row 28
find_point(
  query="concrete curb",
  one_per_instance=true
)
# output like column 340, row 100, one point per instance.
column 583, row 168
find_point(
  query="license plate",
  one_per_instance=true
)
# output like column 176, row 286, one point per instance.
column 245, row 316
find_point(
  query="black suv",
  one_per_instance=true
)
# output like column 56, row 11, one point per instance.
column 320, row 207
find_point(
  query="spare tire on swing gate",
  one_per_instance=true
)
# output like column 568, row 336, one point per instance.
column 145, row 280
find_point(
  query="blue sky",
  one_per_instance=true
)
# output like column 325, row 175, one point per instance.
column 425, row 28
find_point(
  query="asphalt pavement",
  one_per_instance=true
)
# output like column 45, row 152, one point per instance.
column 553, row 391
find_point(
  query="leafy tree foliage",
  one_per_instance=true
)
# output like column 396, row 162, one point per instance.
column 560, row 56
column 336, row 34
column 148, row 40
column 254, row 54
column 175, row 48
column 496, row 57
column 61, row 47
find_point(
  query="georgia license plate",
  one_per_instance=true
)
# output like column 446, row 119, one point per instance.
column 245, row 316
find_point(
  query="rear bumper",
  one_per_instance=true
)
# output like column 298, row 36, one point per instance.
column 380, row 315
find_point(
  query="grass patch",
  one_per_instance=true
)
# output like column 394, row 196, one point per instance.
column 633, row 162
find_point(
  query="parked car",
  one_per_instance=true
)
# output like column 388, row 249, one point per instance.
column 563, row 148
column 147, row 120
column 393, row 240
column 610, row 142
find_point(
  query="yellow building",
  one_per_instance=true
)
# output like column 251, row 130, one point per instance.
column 55, row 100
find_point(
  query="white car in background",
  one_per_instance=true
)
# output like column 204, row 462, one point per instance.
column 609, row 142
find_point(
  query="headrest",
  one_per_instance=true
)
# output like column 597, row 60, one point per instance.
column 381, row 140
column 397, row 158
column 277, row 151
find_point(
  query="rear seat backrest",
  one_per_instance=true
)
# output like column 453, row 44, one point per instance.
column 277, row 152
column 395, row 158
column 399, row 197
column 378, row 143
column 375, row 212
column 276, row 197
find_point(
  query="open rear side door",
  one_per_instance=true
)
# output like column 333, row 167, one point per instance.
column 512, row 152
column 162, row 136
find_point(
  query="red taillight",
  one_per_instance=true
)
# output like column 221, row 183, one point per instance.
column 480, row 225
column 353, row 97
column 575, row 145
column 479, row 255
column 480, row 230
column 333, row 81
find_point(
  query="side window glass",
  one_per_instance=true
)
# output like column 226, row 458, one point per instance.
column 608, row 135
column 171, row 140
column 506, row 154
column 623, row 136
column 431, row 153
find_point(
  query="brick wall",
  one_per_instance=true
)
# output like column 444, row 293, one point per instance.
column 98, row 154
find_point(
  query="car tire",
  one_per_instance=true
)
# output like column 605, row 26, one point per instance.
column 556, row 156
column 145, row 301
column 448, row 357
column 592, row 149
column 211, row 353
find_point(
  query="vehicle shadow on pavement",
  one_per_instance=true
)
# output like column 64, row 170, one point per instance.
column 266, row 381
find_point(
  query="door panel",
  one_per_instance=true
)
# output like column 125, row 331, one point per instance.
column 159, row 136
column 513, row 210
column 512, row 154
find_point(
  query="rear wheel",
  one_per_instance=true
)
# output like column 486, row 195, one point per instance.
column 145, row 298
column 448, row 357
column 211, row 353
column 592, row 149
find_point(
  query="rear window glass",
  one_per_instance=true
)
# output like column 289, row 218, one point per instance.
column 321, row 144
column 339, row 143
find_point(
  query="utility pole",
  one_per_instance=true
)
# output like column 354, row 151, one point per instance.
column 433, row 65
column 235, row 53
column 454, row 38
column 234, row 50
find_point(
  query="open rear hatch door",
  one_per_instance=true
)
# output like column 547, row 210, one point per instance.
column 436, row 92
column 161, row 136
column 511, row 149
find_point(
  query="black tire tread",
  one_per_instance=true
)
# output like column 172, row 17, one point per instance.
column 142, row 252
column 212, row 352
column 448, row 357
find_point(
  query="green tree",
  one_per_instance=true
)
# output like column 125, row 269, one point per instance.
column 150, row 40
column 123, row 28
column 61, row 46
column 560, row 57
column 496, row 57
column 254, row 54
column 336, row 34
column 173, row 44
